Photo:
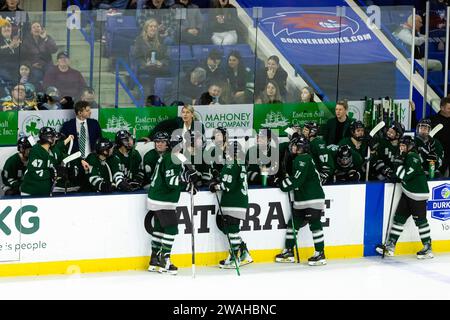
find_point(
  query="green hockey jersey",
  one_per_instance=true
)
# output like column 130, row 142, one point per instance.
column 233, row 182
column 103, row 170
column 322, row 156
column 413, row 179
column 305, row 181
column 361, row 150
column 38, row 177
column 12, row 173
column 149, row 163
column 423, row 149
column 342, row 174
column 166, row 185
column 131, row 164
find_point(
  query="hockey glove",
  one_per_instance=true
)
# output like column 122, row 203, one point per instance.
column 189, row 187
column 214, row 187
column 135, row 185
column 324, row 177
column 353, row 175
column 62, row 172
column 273, row 181
column 190, row 176
column 125, row 186
column 106, row 187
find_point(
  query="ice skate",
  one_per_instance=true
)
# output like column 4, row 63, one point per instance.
column 389, row 249
column 154, row 262
column 426, row 252
column 286, row 256
column 244, row 255
column 166, row 265
column 318, row 259
column 229, row 263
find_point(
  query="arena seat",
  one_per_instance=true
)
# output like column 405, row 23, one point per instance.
column 121, row 31
column 161, row 85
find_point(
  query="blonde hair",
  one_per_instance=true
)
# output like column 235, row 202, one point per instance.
column 145, row 27
column 4, row 22
column 191, row 110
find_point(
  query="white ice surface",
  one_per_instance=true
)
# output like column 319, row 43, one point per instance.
column 402, row 277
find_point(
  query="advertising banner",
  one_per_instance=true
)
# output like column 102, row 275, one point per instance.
column 280, row 116
column 31, row 121
column 141, row 119
column 238, row 119
column 8, row 128
column 115, row 226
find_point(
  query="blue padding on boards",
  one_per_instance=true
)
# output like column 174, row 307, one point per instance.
column 373, row 223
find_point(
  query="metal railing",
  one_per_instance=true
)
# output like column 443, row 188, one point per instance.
column 138, row 102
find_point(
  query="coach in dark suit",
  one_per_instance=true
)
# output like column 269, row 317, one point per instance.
column 85, row 130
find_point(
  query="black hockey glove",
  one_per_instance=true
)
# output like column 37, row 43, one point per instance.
column 135, row 185
column 189, row 187
column 353, row 175
column 125, row 186
column 106, row 187
column 190, row 175
column 273, row 181
column 62, row 172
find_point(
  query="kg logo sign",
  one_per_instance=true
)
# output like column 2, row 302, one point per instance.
column 440, row 203
column 312, row 22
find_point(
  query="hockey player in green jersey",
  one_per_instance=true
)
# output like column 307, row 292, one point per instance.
column 161, row 140
column 413, row 200
column 262, row 159
column 348, row 165
column 15, row 166
column 233, row 204
column 309, row 202
column 322, row 156
column 41, row 173
column 386, row 152
column 429, row 149
column 130, row 161
column 167, row 182
column 357, row 141
column 104, row 174
column 215, row 155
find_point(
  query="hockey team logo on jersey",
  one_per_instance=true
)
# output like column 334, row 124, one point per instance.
column 314, row 22
column 440, row 203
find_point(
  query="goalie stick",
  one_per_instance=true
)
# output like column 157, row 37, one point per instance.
column 372, row 133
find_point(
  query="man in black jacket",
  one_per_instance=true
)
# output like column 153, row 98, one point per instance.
column 339, row 127
column 443, row 116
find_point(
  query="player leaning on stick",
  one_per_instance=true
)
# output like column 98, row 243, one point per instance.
column 309, row 201
column 167, row 181
column 14, row 168
column 413, row 200
column 234, row 204
column 41, row 173
column 161, row 140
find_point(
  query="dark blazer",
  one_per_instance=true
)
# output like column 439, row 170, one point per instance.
column 171, row 125
column 70, row 127
column 329, row 130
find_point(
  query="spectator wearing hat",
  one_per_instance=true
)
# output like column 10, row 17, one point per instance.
column 38, row 48
column 9, row 53
column 10, row 10
column 69, row 81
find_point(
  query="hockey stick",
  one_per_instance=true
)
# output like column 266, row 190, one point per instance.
column 372, row 133
column 228, row 237
column 183, row 160
column 291, row 206
column 436, row 129
column 388, row 223
column 65, row 161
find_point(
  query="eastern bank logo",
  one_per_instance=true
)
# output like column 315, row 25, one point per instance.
column 315, row 22
column 440, row 203
column 32, row 124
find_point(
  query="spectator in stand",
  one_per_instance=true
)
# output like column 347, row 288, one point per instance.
column 17, row 101
column 69, row 81
column 339, row 127
column 443, row 116
column 154, row 101
column 158, row 10
column 191, row 27
column 270, row 95
column 53, row 99
column 110, row 4
column 88, row 95
column 307, row 95
column 37, row 50
column 85, row 130
column 405, row 34
column 151, row 56
column 214, row 95
column 191, row 87
column 9, row 53
column 9, row 11
column 223, row 22
column 273, row 71
column 25, row 76
column 239, row 79
column 215, row 72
